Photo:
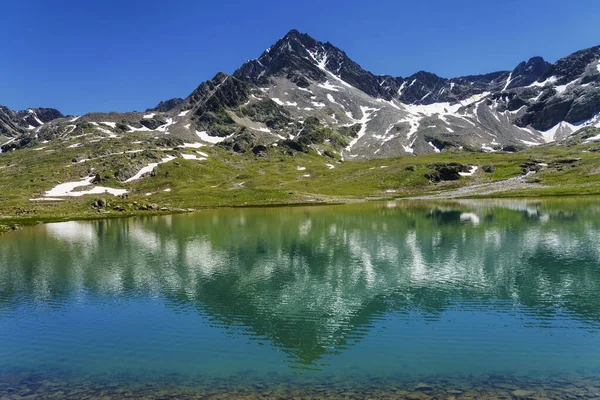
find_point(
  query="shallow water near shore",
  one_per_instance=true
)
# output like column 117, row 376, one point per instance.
column 463, row 298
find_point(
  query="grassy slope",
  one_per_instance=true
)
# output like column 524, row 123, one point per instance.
column 273, row 179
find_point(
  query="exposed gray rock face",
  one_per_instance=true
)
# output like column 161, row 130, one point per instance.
column 166, row 105
column 34, row 116
column 154, row 122
column 567, row 91
column 8, row 123
column 527, row 72
column 210, row 104
column 13, row 123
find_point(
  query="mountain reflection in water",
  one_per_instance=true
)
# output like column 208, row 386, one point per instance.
column 316, row 281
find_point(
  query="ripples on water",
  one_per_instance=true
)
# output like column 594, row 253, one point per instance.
column 372, row 291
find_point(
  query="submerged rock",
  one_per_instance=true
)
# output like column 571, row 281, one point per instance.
column 423, row 387
column 523, row 394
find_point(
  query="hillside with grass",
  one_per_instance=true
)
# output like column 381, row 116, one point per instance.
column 80, row 179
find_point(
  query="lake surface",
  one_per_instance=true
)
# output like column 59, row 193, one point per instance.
column 395, row 298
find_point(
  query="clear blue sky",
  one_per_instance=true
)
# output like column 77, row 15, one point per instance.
column 118, row 55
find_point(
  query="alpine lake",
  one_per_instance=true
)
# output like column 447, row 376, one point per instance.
column 465, row 299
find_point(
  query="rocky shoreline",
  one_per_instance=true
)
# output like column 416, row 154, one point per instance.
column 246, row 386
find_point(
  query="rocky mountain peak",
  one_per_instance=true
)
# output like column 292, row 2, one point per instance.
column 205, row 89
column 288, row 57
column 536, row 61
column 571, row 67
column 166, row 105
column 295, row 35
column 18, row 122
column 300, row 58
column 527, row 73
column 38, row 116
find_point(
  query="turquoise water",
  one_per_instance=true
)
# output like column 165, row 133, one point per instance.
column 306, row 294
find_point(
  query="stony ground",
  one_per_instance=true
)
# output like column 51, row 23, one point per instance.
column 584, row 386
column 522, row 182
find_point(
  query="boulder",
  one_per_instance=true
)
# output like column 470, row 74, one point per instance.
column 523, row 394
column 445, row 172
column 260, row 150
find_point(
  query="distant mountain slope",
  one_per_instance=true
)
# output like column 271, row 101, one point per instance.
column 14, row 123
column 166, row 105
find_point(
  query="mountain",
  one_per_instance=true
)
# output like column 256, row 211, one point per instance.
column 14, row 123
column 535, row 103
column 166, row 105
column 305, row 95
column 567, row 92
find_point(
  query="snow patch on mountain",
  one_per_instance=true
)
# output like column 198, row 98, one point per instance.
column 196, row 145
column 508, row 80
column 320, row 59
column 164, row 128
column 332, row 99
column 435, row 149
column 68, row 189
column 472, row 170
column 284, row 103
column 148, row 168
column 327, row 85
column 211, row 139
column 367, row 115
column 558, row 131
column 193, row 157
column 142, row 129
column 548, row 81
